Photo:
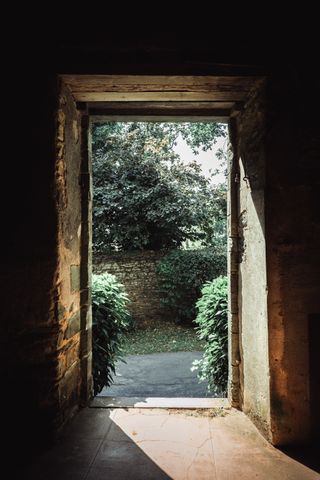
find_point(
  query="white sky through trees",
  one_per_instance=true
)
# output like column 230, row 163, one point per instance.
column 207, row 160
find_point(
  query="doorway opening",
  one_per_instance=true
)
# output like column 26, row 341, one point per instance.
column 146, row 98
column 159, row 260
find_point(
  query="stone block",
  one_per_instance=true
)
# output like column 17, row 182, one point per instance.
column 73, row 326
column 74, row 278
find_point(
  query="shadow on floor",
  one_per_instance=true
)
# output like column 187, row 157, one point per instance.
column 92, row 447
column 308, row 455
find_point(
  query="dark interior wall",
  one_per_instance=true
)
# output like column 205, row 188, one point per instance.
column 293, row 239
column 31, row 332
column 29, row 269
column 314, row 376
column 40, row 275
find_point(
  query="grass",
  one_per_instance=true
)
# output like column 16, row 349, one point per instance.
column 162, row 337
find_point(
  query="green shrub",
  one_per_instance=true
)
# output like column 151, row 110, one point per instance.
column 110, row 322
column 212, row 321
column 182, row 274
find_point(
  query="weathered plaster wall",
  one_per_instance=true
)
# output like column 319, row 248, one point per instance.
column 293, row 239
column 279, row 262
column 137, row 271
column 252, row 289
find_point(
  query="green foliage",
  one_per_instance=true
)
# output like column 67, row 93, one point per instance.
column 145, row 197
column 111, row 321
column 212, row 321
column 201, row 136
column 214, row 229
column 182, row 274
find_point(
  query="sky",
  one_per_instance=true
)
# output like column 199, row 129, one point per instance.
column 207, row 160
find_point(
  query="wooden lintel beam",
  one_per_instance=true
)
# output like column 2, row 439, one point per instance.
column 157, row 96
column 157, row 106
column 135, row 88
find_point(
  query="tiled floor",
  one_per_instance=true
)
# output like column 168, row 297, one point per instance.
column 147, row 444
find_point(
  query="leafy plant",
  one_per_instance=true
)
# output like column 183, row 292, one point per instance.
column 111, row 321
column 212, row 321
column 182, row 274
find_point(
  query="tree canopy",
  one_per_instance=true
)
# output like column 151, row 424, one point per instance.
column 145, row 196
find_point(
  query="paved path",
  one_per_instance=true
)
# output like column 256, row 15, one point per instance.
column 157, row 375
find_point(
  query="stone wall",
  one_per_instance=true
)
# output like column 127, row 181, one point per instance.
column 68, row 285
column 137, row 271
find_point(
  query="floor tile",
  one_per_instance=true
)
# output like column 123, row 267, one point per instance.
column 90, row 423
column 241, row 452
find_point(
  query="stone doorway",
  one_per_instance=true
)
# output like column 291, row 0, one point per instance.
column 257, row 384
column 204, row 98
column 164, row 98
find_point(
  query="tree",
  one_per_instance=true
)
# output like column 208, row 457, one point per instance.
column 145, row 197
